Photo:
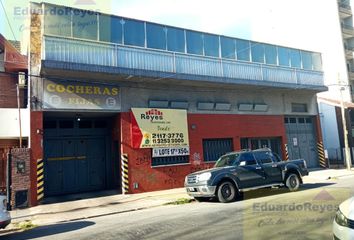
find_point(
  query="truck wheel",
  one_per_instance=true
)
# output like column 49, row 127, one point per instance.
column 292, row 182
column 226, row 192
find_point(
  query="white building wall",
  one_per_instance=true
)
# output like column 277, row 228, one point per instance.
column 9, row 123
column 329, row 126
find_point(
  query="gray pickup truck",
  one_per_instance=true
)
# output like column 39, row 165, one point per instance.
column 237, row 172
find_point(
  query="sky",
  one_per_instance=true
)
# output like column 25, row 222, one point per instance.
column 305, row 24
column 284, row 22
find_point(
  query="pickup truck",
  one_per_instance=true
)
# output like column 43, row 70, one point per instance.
column 237, row 172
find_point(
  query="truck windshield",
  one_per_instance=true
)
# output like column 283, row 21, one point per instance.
column 228, row 160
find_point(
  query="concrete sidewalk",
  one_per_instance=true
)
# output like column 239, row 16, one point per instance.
column 87, row 208
column 327, row 174
column 99, row 206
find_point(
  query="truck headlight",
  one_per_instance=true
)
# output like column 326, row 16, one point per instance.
column 341, row 219
column 204, row 176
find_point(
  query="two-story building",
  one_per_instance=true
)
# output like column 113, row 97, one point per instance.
column 123, row 103
column 14, row 111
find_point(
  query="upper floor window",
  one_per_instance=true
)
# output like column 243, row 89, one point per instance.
column 270, row 52
column 243, row 50
column 58, row 22
column 283, row 56
column 110, row 28
column 211, row 45
column 134, row 33
column 306, row 60
column 257, row 52
column 227, row 47
column 295, row 58
column 85, row 24
column 155, row 36
column 175, row 39
column 317, row 61
column 194, row 42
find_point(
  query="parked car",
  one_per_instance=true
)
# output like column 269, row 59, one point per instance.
column 5, row 218
column 343, row 223
column 241, row 171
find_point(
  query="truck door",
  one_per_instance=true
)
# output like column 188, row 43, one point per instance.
column 270, row 167
column 249, row 172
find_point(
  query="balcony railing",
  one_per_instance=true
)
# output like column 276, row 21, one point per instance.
column 135, row 58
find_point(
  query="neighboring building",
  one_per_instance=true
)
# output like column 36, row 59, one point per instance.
column 123, row 103
column 340, row 94
column 13, row 69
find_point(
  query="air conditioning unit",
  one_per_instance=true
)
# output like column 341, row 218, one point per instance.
column 22, row 79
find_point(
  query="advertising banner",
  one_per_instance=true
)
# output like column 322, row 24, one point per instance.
column 78, row 95
column 168, row 152
column 153, row 128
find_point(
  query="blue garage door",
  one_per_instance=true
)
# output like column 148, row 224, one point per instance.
column 74, row 162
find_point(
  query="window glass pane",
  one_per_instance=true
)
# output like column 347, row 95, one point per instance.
column 295, row 58
column 247, row 159
column 134, row 33
column 306, row 60
column 211, row 45
column 283, row 56
column 257, row 52
column 175, row 39
column 58, row 22
column 155, row 36
column 317, row 61
column 194, row 42
column 85, row 24
column 263, row 157
column 270, row 54
column 243, row 50
column 110, row 29
column 227, row 47
column 298, row 107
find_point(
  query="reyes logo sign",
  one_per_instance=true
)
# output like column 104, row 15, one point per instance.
column 152, row 115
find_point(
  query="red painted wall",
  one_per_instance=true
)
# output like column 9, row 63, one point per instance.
column 37, row 151
column 206, row 126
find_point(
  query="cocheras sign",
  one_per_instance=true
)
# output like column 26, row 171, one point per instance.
column 79, row 95
column 159, row 128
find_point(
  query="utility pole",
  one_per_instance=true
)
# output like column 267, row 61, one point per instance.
column 348, row 158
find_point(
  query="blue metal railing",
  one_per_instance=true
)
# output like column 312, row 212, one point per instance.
column 129, row 57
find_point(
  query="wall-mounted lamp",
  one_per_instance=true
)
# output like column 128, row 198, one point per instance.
column 78, row 117
column 39, row 131
column 193, row 126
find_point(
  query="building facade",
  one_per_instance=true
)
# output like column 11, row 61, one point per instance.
column 14, row 111
column 120, row 103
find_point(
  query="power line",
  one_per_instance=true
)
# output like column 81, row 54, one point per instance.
column 8, row 21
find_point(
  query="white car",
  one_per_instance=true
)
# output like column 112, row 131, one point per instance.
column 343, row 224
column 5, row 217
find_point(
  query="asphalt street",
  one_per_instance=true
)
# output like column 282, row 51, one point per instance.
column 265, row 214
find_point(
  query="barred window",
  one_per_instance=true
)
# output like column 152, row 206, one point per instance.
column 214, row 148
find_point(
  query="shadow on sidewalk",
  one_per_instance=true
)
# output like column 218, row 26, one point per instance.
column 46, row 231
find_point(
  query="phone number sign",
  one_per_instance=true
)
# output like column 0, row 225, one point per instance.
column 169, row 152
column 159, row 128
